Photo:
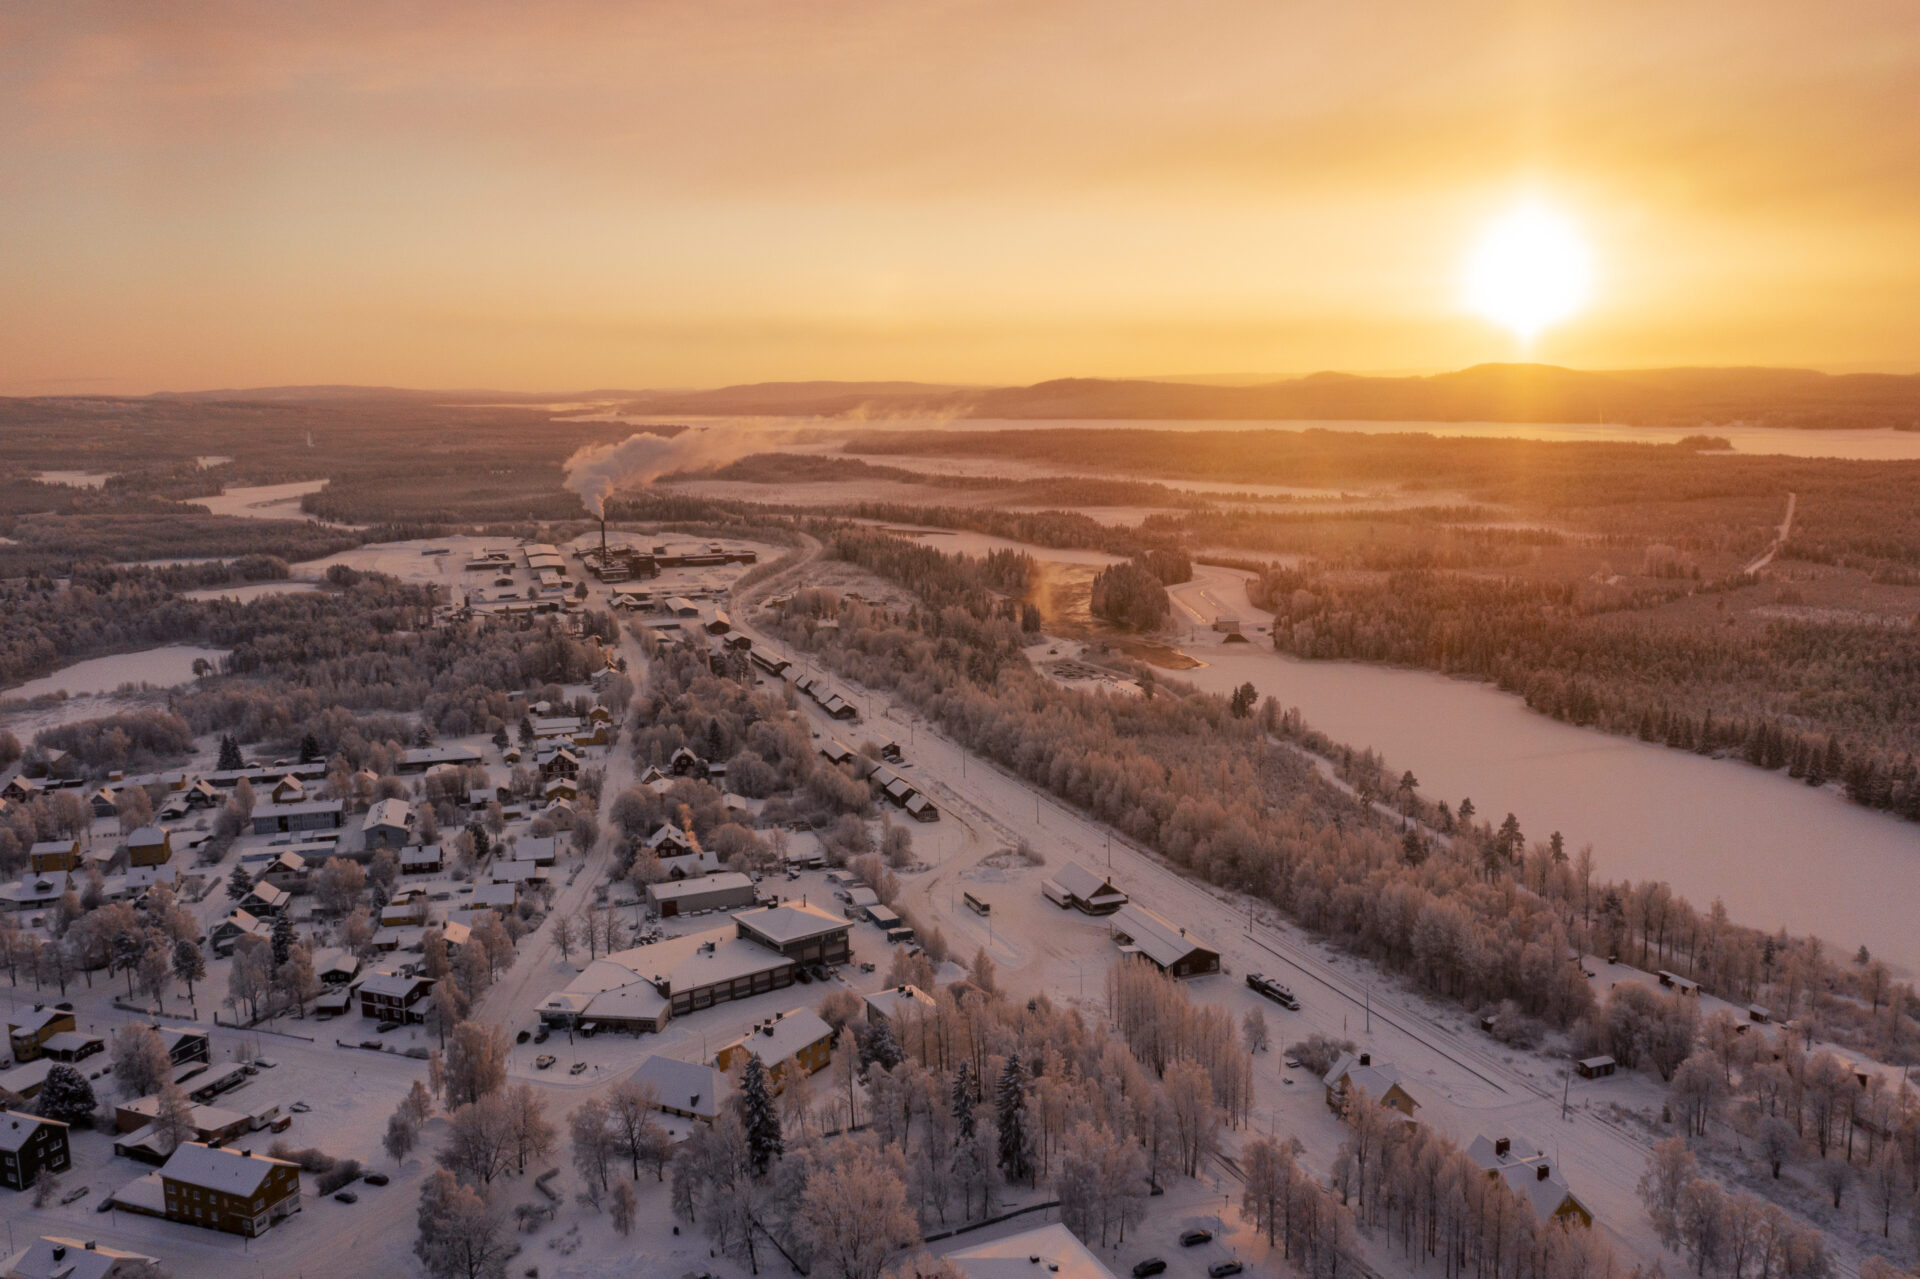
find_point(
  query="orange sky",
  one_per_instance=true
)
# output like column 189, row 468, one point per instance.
column 572, row 195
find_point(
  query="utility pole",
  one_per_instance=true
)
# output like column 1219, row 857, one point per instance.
column 1566, row 1091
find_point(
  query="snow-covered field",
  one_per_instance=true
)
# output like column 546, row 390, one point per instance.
column 249, row 591
column 160, row 667
column 263, row 501
column 1778, row 853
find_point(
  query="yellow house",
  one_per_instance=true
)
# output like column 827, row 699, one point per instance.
column 1381, row 1082
column 1534, row 1179
column 150, row 846
column 52, row 855
column 791, row 1046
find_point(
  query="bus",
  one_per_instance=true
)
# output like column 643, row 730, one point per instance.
column 977, row 906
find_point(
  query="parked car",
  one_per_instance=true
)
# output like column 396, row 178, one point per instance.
column 540, row 1035
column 1194, row 1238
column 1221, row 1269
column 578, row 1067
column 265, row 1063
column 375, row 1179
column 543, row 1061
column 374, row 1044
column 1151, row 1266
column 346, row 1197
column 523, row 1037
column 386, row 1026
column 75, row 1195
column 299, row 1107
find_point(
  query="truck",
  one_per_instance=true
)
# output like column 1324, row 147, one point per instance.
column 1273, row 990
column 1056, row 894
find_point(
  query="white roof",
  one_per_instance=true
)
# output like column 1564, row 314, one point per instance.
column 388, row 812
column 774, row 1042
column 889, row 1003
column 1083, row 883
column 1521, row 1167
column 1062, row 1255
column 384, row 983
column 75, row 1259
column 790, row 921
column 1376, row 1078
column 677, row 889
column 684, row 1085
column 145, row 836
column 38, row 1019
column 684, row 865
column 491, row 895
column 227, row 1171
column 16, row 1128
column 1159, row 939
column 622, row 984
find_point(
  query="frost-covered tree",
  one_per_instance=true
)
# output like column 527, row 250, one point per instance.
column 853, row 1214
column 67, row 1096
column 140, row 1061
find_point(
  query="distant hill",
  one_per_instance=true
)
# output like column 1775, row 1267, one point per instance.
column 1485, row 393
column 1800, row 398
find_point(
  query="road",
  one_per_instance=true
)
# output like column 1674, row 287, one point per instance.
column 1779, row 541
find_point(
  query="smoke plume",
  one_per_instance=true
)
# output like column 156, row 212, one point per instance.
column 598, row 470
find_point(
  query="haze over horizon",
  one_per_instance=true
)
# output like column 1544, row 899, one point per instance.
column 610, row 195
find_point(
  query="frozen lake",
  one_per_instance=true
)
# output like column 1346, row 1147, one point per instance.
column 161, row 667
column 1778, row 853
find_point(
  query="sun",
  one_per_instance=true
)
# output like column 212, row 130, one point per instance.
column 1529, row 271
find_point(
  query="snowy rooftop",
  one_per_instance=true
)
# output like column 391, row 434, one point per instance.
column 1375, row 1077
column 1083, row 883
column 894, row 1000
column 392, row 984
column 1161, row 940
column 1062, row 1255
column 675, row 890
column 16, row 1128
column 55, row 1257
column 228, row 1171
column 683, row 1085
column 388, row 812
column 790, row 922
column 776, row 1040
column 39, row 1018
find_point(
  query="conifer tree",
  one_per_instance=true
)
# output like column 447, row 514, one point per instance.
column 239, row 884
column 282, row 938
column 67, row 1096
column 963, row 1104
column 762, row 1121
column 1016, row 1143
column 230, row 760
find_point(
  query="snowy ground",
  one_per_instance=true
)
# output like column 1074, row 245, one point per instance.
column 160, row 667
column 1465, row 1082
column 262, row 501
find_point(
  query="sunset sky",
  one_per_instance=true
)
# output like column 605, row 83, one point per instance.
column 574, row 195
